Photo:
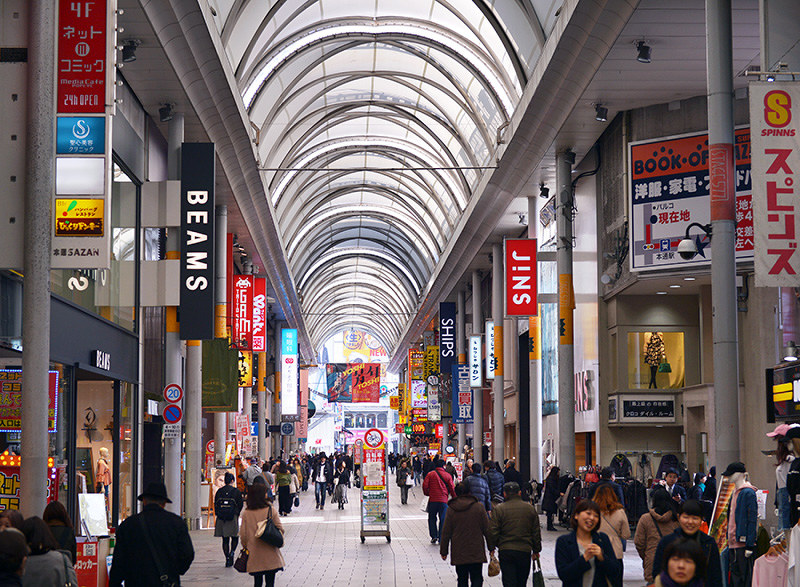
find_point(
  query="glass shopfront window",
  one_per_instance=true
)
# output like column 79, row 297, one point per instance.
column 656, row 360
column 109, row 293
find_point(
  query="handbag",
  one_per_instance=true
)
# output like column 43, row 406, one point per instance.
column 664, row 368
column 409, row 481
column 296, row 501
column 494, row 566
column 538, row 576
column 162, row 574
column 240, row 564
column 67, row 567
column 268, row 532
column 423, row 505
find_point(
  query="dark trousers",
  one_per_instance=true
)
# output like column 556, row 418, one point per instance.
column 268, row 578
column 653, row 373
column 467, row 573
column 550, row 520
column 229, row 545
column 515, row 567
column 404, row 494
column 741, row 568
column 436, row 508
column 284, row 499
column 319, row 493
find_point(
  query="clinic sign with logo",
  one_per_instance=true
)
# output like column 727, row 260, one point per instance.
column 290, row 377
column 774, row 115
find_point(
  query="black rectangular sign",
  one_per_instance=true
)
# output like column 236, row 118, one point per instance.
column 447, row 336
column 648, row 408
column 197, row 241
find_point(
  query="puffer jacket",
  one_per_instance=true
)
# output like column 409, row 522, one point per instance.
column 496, row 481
column 479, row 488
column 651, row 528
column 438, row 486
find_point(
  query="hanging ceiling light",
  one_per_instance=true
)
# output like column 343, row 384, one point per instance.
column 600, row 113
column 643, row 52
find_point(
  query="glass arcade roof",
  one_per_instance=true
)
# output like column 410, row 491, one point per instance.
column 373, row 122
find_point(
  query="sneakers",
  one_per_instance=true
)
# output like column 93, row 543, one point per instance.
column 433, row 540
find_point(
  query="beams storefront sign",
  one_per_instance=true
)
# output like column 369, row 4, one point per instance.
column 447, row 335
column 197, row 241
column 462, row 394
column 289, row 372
column 669, row 189
column 243, row 311
column 475, row 373
column 521, row 280
column 11, row 400
column 776, row 168
column 259, row 335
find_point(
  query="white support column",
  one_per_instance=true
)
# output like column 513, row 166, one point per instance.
column 193, row 415
column 566, row 358
column 498, row 384
column 220, row 322
column 535, row 360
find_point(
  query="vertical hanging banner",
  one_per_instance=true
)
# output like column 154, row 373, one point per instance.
column 475, row 357
column 534, row 339
column 220, row 376
column 430, row 362
column 776, row 168
column 401, row 403
column 447, row 336
column 521, row 277
column 259, row 333
column 197, row 241
column 242, row 312
column 228, row 282
column 415, row 367
column 84, row 104
column 301, row 428
column 289, row 373
column 490, row 362
column 462, row 394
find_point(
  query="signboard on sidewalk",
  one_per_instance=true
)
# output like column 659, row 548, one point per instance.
column 374, row 491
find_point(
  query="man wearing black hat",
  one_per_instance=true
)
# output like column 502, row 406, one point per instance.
column 689, row 521
column 607, row 477
column 153, row 547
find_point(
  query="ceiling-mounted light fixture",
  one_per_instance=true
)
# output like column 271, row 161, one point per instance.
column 129, row 50
column 600, row 113
column 642, row 52
column 166, row 111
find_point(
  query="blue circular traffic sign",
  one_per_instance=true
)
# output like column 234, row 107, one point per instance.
column 172, row 414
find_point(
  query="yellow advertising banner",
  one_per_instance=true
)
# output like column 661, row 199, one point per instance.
column 79, row 216
column 394, row 402
column 566, row 303
column 415, row 364
column 498, row 350
column 534, row 339
column 431, row 363
column 245, row 368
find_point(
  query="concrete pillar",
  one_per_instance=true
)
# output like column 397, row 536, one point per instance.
column 172, row 350
column 193, row 416
column 723, row 224
column 261, row 398
column 498, row 384
column 535, row 360
column 566, row 358
column 477, row 328
column 220, row 319
column 461, row 345
column 40, row 178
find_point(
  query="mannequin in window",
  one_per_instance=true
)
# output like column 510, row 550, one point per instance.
column 103, row 469
column 654, row 355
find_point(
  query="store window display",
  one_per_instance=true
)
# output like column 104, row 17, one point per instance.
column 656, row 360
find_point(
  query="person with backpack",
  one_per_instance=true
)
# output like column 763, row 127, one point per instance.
column 228, row 504
column 495, row 479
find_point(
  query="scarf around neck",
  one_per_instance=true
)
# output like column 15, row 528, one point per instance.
column 667, row 582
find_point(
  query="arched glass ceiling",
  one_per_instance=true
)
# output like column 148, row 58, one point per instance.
column 374, row 122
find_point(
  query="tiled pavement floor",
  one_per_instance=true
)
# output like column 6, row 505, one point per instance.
column 324, row 548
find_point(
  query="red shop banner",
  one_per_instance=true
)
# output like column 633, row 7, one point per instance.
column 243, row 311
column 259, row 333
column 11, row 400
column 82, row 52
column 521, row 277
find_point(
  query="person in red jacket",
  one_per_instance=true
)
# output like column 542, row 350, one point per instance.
column 438, row 486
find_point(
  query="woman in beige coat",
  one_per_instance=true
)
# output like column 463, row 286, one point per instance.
column 264, row 560
column 659, row 521
column 613, row 520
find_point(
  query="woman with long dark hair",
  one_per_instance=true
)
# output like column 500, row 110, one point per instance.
column 550, row 496
column 56, row 517
column 660, row 521
column 284, row 481
column 264, row 560
column 46, row 565
column 585, row 556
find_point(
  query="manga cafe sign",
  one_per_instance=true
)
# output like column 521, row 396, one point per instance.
column 11, row 400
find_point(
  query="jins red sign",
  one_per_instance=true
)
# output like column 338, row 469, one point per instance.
column 82, row 56
column 260, row 314
column 521, row 280
column 243, row 311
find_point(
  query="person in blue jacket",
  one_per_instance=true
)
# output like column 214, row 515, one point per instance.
column 585, row 556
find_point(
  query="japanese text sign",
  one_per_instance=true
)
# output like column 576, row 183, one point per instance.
column 290, row 377
column 521, row 277
column 415, row 369
column 11, row 400
column 82, row 54
column 670, row 188
column 259, row 324
column 243, row 311
column 462, row 394
column 776, row 168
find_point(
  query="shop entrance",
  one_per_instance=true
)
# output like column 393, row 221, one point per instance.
column 103, row 433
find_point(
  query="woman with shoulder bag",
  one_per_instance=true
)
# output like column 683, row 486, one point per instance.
column 613, row 520
column 45, row 566
column 263, row 560
column 404, row 475
column 660, row 521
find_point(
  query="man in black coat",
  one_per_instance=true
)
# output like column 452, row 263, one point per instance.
column 151, row 543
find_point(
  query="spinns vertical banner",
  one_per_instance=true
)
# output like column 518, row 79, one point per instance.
column 289, row 374
column 462, row 394
column 447, row 336
column 197, row 241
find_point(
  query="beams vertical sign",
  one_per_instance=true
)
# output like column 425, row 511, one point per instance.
column 521, row 279
column 197, row 241
column 447, row 336
column 289, row 373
